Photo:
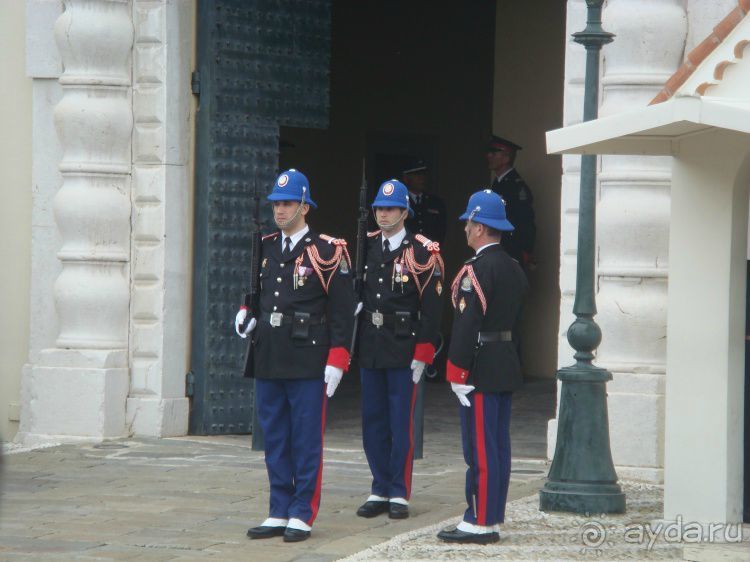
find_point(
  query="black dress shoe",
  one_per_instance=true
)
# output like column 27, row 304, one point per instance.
column 398, row 511
column 452, row 534
column 295, row 535
column 372, row 508
column 265, row 532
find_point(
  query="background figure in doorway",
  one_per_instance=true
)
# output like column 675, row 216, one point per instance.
column 429, row 209
column 519, row 201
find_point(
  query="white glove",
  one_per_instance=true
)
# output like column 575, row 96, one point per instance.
column 461, row 390
column 333, row 378
column 417, row 368
column 359, row 308
column 239, row 319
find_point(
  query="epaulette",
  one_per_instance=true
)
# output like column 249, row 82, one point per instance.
column 373, row 234
column 467, row 280
column 325, row 268
column 427, row 243
column 332, row 240
column 268, row 236
column 432, row 266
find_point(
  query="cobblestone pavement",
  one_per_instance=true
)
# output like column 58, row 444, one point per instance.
column 193, row 498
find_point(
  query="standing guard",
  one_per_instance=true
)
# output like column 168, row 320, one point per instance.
column 428, row 210
column 483, row 366
column 301, row 333
column 508, row 183
column 403, row 284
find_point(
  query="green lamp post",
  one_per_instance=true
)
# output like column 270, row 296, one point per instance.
column 582, row 478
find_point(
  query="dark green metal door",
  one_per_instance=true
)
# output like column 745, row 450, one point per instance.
column 262, row 64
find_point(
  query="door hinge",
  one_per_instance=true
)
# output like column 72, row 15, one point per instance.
column 195, row 82
column 189, row 384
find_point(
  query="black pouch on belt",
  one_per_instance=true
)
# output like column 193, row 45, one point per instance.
column 402, row 327
column 301, row 325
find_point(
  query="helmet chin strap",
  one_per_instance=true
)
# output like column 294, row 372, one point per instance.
column 388, row 227
column 283, row 225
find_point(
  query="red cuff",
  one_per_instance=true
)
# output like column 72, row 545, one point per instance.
column 243, row 307
column 338, row 357
column 424, row 352
column 455, row 374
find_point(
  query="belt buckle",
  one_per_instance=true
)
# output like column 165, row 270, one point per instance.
column 276, row 318
column 377, row 319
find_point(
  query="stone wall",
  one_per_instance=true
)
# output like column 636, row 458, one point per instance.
column 652, row 37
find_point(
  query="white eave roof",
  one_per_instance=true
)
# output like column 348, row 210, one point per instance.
column 655, row 129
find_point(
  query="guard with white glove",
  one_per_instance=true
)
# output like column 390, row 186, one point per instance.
column 302, row 328
column 239, row 320
column 483, row 366
column 402, row 302
column 332, row 379
column 462, row 391
column 417, row 368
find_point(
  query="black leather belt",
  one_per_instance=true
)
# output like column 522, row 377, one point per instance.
column 488, row 337
column 279, row 319
column 380, row 319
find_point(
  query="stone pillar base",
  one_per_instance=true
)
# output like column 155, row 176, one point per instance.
column 158, row 417
column 74, row 395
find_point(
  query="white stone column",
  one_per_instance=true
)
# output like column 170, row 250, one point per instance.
column 633, row 236
column 79, row 387
column 632, row 229
column 160, row 311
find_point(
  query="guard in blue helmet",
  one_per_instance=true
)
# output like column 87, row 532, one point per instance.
column 402, row 300
column 292, row 186
column 300, row 336
column 483, row 365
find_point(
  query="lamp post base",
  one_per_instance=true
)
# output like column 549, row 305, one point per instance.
column 582, row 497
column 582, row 478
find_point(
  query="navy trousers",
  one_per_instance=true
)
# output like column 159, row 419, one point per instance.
column 292, row 414
column 388, row 397
column 485, row 434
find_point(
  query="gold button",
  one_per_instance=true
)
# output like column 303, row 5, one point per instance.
column 278, row 279
column 380, row 280
column 275, row 293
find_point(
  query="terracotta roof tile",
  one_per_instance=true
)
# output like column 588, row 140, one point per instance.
column 703, row 50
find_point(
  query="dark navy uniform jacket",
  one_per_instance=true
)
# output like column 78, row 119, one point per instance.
column 429, row 217
column 519, row 208
column 487, row 295
column 302, row 347
column 390, row 287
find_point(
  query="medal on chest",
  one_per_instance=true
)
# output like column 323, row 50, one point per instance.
column 400, row 274
column 301, row 273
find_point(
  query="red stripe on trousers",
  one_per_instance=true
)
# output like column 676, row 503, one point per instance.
column 315, row 502
column 410, row 455
column 481, row 458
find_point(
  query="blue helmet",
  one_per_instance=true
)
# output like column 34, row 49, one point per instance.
column 488, row 208
column 292, row 186
column 393, row 193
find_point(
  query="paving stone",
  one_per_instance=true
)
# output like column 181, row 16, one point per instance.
column 193, row 498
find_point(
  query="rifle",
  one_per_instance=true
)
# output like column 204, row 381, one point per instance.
column 361, row 256
column 252, row 299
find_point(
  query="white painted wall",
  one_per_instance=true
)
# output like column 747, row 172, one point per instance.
column 652, row 39
column 15, row 212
